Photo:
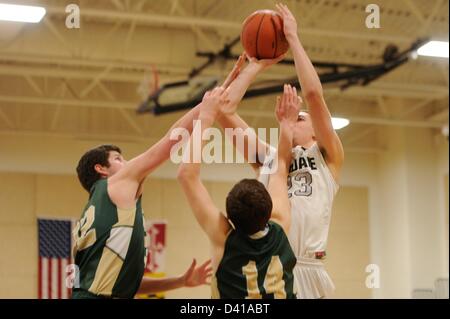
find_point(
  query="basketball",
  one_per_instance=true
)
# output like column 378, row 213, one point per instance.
column 262, row 35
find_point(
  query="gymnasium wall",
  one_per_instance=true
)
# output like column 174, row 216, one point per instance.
column 409, row 223
column 403, row 227
column 25, row 196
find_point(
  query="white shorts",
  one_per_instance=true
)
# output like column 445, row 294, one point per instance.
column 312, row 280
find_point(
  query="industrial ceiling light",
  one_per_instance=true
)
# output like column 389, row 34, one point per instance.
column 434, row 48
column 20, row 13
column 339, row 122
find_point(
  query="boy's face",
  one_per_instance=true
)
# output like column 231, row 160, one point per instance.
column 116, row 162
column 303, row 130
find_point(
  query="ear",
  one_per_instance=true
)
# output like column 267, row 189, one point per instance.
column 101, row 170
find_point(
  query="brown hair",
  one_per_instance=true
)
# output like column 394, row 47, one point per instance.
column 249, row 206
column 85, row 169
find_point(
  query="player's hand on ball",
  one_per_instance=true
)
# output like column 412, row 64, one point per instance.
column 289, row 22
column 265, row 63
column 235, row 71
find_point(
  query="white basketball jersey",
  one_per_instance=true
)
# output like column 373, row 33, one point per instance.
column 311, row 190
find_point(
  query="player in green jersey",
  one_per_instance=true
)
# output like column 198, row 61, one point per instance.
column 109, row 241
column 109, row 247
column 251, row 255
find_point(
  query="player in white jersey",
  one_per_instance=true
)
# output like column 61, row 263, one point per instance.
column 318, row 156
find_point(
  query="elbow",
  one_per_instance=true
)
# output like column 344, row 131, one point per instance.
column 185, row 174
column 313, row 95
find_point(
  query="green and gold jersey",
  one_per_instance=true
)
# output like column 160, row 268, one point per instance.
column 109, row 247
column 255, row 268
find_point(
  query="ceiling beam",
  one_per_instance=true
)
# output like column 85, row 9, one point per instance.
column 188, row 21
column 409, row 92
column 33, row 84
column 118, row 4
column 6, row 119
column 252, row 113
column 425, row 27
column 439, row 116
column 131, row 121
column 416, row 107
column 91, row 136
column 415, row 12
column 54, row 30
column 57, row 112
column 68, row 102
column 376, row 89
column 359, row 119
column 94, row 82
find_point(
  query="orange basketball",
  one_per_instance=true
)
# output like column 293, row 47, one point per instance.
column 262, row 35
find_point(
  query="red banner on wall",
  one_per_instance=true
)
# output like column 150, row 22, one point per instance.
column 156, row 246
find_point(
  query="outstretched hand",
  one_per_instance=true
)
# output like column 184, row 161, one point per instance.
column 196, row 276
column 265, row 63
column 289, row 22
column 213, row 101
column 288, row 105
column 235, row 71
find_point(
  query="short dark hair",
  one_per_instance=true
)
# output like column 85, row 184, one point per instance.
column 98, row 155
column 249, row 206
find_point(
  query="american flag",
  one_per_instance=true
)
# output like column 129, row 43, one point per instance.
column 54, row 257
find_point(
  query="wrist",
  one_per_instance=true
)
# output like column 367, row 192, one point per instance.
column 292, row 38
column 254, row 67
column 208, row 118
column 287, row 125
column 180, row 281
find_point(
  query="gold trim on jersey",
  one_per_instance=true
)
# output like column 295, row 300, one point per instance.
column 107, row 272
column 125, row 217
column 113, row 257
column 215, row 294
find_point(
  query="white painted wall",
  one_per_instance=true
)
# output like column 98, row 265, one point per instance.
column 409, row 239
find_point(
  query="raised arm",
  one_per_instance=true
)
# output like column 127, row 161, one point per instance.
column 286, row 112
column 125, row 186
column 210, row 219
column 326, row 136
column 136, row 170
column 244, row 139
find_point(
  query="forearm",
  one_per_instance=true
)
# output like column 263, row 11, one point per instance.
column 277, row 183
column 187, row 120
column 250, row 146
column 139, row 167
column 190, row 165
column 239, row 86
column 155, row 285
column 307, row 75
column 285, row 147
